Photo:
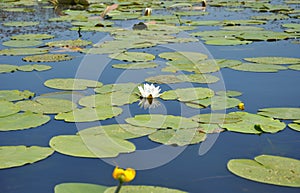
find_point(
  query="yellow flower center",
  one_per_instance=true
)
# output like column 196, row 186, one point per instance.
column 123, row 175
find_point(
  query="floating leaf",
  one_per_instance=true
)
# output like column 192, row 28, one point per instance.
column 8, row 108
column 79, row 188
column 133, row 56
column 229, row 93
column 47, row 105
column 216, row 102
column 91, row 146
column 15, row 95
column 89, row 114
column 161, row 121
column 69, row 43
column 262, row 36
column 216, row 118
column 72, row 83
column 274, row 60
column 225, row 63
column 116, row 98
column 295, row 125
column 196, row 78
column 120, row 87
column 242, row 28
column 268, row 169
column 22, row 43
column 136, row 65
column 22, row 51
column 20, row 23
column 184, row 56
column 14, row 156
column 180, row 137
column 281, row 113
column 294, row 67
column 255, row 67
column 48, row 58
column 226, row 42
column 22, row 121
column 254, row 124
column 31, row 37
column 37, row 67
column 6, row 68
column 139, row 189
column 187, row 94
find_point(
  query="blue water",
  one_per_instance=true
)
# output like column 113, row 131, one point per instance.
column 189, row 171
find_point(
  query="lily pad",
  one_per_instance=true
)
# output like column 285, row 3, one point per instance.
column 89, row 114
column 91, row 146
column 15, row 156
column 7, row 68
column 20, row 23
column 22, row 121
column 184, row 56
column 132, row 56
column 22, row 43
column 47, row 105
column 295, row 126
column 268, row 169
column 274, row 60
column 8, row 108
column 139, row 189
column 281, row 113
column 120, row 87
column 215, row 102
column 22, row 51
column 180, row 137
column 32, row 37
column 254, row 124
column 37, row 67
column 255, row 67
column 161, row 121
column 196, row 78
column 187, row 94
column 294, row 67
column 15, row 95
column 79, row 188
column 136, row 65
column 72, row 83
column 226, row 42
column 48, row 58
column 216, row 118
column 69, row 43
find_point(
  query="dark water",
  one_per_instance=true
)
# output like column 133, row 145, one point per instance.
column 189, row 171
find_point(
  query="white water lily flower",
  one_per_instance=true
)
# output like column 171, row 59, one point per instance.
column 149, row 91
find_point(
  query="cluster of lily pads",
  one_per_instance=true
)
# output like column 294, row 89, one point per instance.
column 19, row 110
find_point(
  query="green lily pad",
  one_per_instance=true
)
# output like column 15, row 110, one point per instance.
column 72, row 84
column 280, row 113
column 8, row 108
column 242, row 28
column 294, row 67
column 15, row 95
column 183, row 56
column 139, row 189
column 47, row 105
column 79, row 188
column 216, row 118
column 187, row 94
column 7, row 68
column 22, row 51
column 268, row 169
column 180, row 137
column 22, row 121
column 226, row 63
column 18, row 9
column 88, row 114
column 270, row 17
column 215, row 102
column 15, row 156
column 69, row 43
column 120, row 87
column 37, row 67
column 255, row 67
column 254, row 124
column 295, row 126
column 262, row 36
column 48, row 58
column 204, row 23
column 161, row 121
column 226, row 42
column 31, row 37
column 123, row 131
column 136, row 65
column 229, row 93
column 274, row 60
column 91, row 146
column 196, row 78
column 132, row 56
column 22, row 43
column 20, row 23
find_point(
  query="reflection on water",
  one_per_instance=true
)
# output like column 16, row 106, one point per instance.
column 149, row 103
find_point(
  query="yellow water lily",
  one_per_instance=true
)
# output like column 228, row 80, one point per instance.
column 241, row 106
column 123, row 175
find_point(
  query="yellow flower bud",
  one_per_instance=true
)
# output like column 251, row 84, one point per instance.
column 123, row 175
column 241, row 106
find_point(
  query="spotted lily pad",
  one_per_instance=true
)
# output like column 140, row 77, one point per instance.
column 187, row 94
column 72, row 83
column 15, row 95
column 22, row 121
column 79, row 188
column 254, row 124
column 47, row 105
column 31, row 37
column 136, row 65
column 69, row 43
column 22, row 43
column 133, row 56
column 37, row 67
column 161, row 121
column 48, row 58
column 15, row 156
column 281, row 113
column 256, row 67
column 274, row 60
column 268, row 169
column 8, row 108
column 22, row 51
column 20, row 23
column 138, row 189
column 91, row 146
column 88, row 114
column 180, row 137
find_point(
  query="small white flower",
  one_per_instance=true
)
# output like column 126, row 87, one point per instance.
column 149, row 91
